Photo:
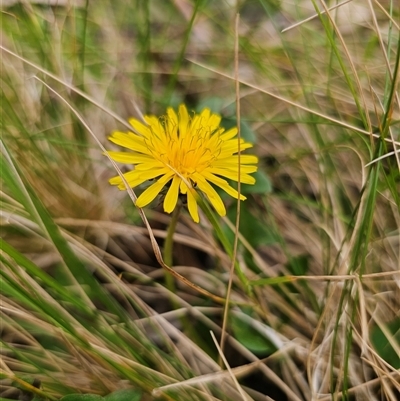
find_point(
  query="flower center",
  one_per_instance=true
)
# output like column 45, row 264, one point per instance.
column 188, row 152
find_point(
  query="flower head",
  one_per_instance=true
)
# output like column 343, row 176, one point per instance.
column 183, row 152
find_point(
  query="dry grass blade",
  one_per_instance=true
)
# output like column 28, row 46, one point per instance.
column 244, row 396
column 315, row 16
column 297, row 105
column 236, row 240
column 67, row 85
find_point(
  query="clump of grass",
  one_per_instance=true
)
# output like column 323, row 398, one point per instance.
column 86, row 307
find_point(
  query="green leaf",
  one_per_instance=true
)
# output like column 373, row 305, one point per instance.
column 249, row 336
column 262, row 185
column 382, row 344
column 215, row 104
column 246, row 132
column 127, row 394
column 252, row 228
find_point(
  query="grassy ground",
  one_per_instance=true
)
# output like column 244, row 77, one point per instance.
column 86, row 307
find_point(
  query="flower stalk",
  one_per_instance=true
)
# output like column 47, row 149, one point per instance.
column 169, row 246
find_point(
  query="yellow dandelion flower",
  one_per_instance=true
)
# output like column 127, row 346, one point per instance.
column 183, row 152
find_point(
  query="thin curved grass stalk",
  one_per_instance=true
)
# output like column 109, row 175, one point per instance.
column 236, row 240
column 132, row 195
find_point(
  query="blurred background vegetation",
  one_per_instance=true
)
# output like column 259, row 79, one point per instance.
column 85, row 306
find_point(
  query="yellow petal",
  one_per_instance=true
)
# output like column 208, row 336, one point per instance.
column 116, row 181
column 155, row 126
column 152, row 120
column 183, row 119
column 213, row 122
column 130, row 141
column 172, row 122
column 152, row 191
column 172, row 115
column 150, row 165
column 183, row 187
column 232, row 145
column 244, row 159
column 129, row 176
column 129, row 157
column 233, row 175
column 205, row 115
column 121, row 184
column 153, row 173
column 213, row 142
column 172, row 195
column 192, row 206
column 229, row 134
column 233, row 167
column 230, row 150
column 223, row 184
column 135, row 177
column 211, row 193
column 139, row 127
column 200, row 120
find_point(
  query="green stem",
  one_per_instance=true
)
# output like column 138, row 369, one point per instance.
column 169, row 246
